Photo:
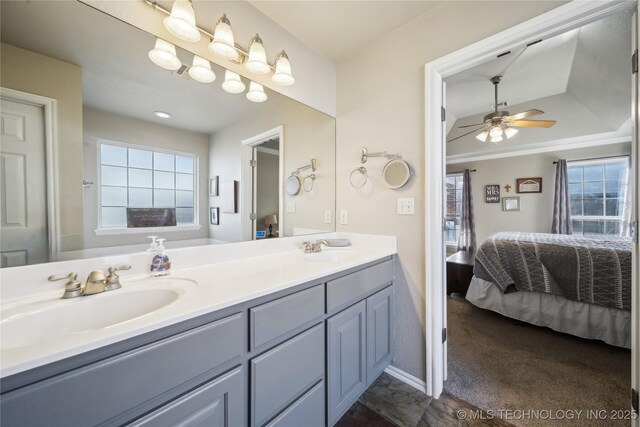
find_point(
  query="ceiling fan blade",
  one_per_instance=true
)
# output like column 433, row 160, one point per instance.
column 524, row 114
column 533, row 123
column 468, row 133
column 468, row 126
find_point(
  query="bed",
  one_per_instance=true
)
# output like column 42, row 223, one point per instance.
column 572, row 284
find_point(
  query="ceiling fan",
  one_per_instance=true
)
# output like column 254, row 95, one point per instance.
column 499, row 124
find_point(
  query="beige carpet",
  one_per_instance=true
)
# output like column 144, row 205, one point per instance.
column 497, row 363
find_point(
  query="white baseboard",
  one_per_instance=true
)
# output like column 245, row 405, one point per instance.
column 414, row 382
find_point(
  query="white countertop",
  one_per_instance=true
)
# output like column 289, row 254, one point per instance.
column 221, row 284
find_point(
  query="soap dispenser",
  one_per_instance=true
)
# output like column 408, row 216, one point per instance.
column 160, row 266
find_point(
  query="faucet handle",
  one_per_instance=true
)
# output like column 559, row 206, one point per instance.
column 113, row 280
column 73, row 287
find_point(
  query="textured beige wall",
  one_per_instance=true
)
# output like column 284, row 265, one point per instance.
column 535, row 208
column 307, row 134
column 381, row 106
column 100, row 124
column 41, row 75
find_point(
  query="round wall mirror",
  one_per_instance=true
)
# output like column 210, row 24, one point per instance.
column 293, row 185
column 396, row 173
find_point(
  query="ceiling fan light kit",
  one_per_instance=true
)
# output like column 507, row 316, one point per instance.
column 499, row 125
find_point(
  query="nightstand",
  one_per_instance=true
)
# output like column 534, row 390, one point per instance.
column 459, row 272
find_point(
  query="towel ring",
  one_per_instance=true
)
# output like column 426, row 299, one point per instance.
column 307, row 182
column 362, row 172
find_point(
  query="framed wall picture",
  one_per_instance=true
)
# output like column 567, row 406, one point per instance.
column 492, row 193
column 214, row 216
column 213, row 186
column 510, row 204
column 229, row 197
column 529, row 185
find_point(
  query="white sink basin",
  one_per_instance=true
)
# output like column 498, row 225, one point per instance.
column 43, row 321
column 327, row 256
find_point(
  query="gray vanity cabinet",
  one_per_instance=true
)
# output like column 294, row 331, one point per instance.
column 380, row 332
column 346, row 359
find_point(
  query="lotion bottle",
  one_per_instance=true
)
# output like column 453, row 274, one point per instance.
column 160, row 265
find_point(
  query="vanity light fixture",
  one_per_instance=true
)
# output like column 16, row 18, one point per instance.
column 222, row 43
column 164, row 55
column 257, row 60
column 162, row 114
column 201, row 70
column 232, row 82
column 182, row 21
column 256, row 93
column 283, row 76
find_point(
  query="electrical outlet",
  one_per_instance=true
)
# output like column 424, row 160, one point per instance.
column 406, row 206
column 344, row 217
column 327, row 217
column 291, row 207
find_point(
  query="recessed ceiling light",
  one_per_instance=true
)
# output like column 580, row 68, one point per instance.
column 162, row 114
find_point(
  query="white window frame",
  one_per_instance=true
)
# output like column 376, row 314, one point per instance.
column 603, row 217
column 104, row 231
column 451, row 175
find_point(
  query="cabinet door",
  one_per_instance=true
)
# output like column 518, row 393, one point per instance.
column 219, row 403
column 346, row 364
column 380, row 332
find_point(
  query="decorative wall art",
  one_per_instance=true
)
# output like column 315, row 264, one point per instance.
column 214, row 216
column 229, row 197
column 492, row 193
column 529, row 185
column 213, row 186
column 510, row 204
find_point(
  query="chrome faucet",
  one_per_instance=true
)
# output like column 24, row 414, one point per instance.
column 314, row 247
column 96, row 282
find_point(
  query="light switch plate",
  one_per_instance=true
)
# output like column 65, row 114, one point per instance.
column 327, row 217
column 406, row 206
column 344, row 217
column 291, row 207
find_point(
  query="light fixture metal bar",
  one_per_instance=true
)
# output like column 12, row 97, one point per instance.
column 364, row 155
column 311, row 166
column 243, row 54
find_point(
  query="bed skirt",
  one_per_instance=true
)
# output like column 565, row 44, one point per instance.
column 610, row 325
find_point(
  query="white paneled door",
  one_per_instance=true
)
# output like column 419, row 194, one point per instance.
column 23, row 207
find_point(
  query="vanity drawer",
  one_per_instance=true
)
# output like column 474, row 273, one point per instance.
column 283, row 374
column 307, row 411
column 354, row 287
column 110, row 390
column 276, row 320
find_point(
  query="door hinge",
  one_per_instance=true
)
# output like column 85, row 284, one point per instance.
column 634, row 62
column 634, row 231
column 252, row 216
column 443, row 114
column 253, row 163
column 444, row 334
column 634, row 399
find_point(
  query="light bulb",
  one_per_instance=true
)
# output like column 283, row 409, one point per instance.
column 496, row 139
column 482, row 136
column 164, row 55
column 182, row 21
column 496, row 132
column 232, row 82
column 201, row 70
column 223, row 43
column 257, row 61
column 283, row 76
column 510, row 132
column 256, row 93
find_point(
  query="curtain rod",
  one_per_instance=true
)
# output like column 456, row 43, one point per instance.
column 596, row 158
column 470, row 170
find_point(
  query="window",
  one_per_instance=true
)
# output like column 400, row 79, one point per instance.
column 453, row 214
column 137, row 177
column 597, row 190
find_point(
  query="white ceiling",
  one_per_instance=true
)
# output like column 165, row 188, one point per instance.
column 338, row 29
column 117, row 73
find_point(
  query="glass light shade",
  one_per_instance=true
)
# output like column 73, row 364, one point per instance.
column 164, row 55
column 496, row 132
column 201, row 70
column 283, row 76
column 232, row 82
column 482, row 136
column 496, row 139
column 256, row 93
column 257, row 61
column 223, row 43
column 509, row 132
column 182, row 21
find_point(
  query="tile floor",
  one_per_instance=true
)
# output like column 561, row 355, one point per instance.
column 391, row 403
